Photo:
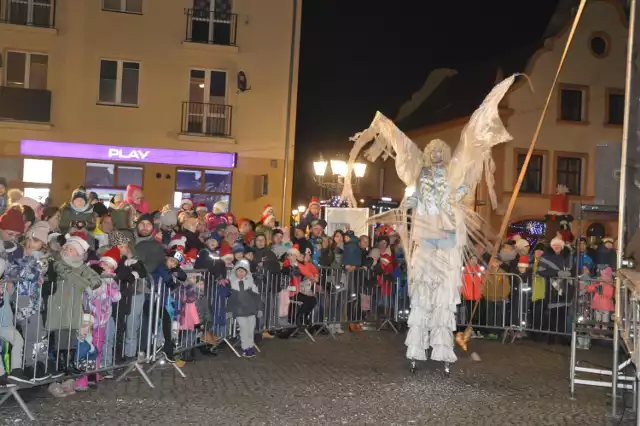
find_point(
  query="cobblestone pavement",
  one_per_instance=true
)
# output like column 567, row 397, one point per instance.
column 359, row 379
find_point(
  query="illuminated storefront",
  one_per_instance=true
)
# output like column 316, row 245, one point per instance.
column 165, row 175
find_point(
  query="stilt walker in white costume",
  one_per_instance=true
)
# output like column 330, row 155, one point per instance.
column 437, row 243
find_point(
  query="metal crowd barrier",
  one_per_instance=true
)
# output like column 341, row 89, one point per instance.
column 62, row 337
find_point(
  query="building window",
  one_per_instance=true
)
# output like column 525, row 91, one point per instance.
column 37, row 13
column 119, row 82
column 615, row 107
column 573, row 105
column 127, row 6
column 26, row 70
column 36, row 176
column 207, row 110
column 105, row 175
column 532, row 183
column 569, row 174
column 202, row 186
column 37, row 171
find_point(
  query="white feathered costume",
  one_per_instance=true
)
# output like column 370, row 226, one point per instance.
column 441, row 223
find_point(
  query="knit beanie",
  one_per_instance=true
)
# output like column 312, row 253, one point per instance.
column 79, row 244
column 238, row 248
column 39, row 231
column 117, row 238
column 169, row 218
column 12, row 220
column 220, row 207
column 79, row 192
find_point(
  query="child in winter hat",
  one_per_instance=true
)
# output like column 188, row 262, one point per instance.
column 244, row 303
column 79, row 213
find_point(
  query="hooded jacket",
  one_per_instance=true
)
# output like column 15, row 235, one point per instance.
column 66, row 304
column 244, row 299
column 352, row 255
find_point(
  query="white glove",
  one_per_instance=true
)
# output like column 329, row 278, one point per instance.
column 135, row 274
column 411, row 202
column 130, row 262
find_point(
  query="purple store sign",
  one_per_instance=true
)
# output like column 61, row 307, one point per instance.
column 128, row 154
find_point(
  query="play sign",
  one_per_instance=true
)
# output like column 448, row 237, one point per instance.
column 129, row 154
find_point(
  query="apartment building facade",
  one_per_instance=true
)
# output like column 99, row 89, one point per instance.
column 186, row 98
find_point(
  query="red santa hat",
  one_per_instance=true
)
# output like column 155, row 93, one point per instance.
column 186, row 201
column 268, row 210
column 266, row 217
column 225, row 251
column 202, row 207
column 178, row 240
column 314, row 200
column 111, row 257
column 523, row 262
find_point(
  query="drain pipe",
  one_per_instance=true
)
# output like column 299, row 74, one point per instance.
column 292, row 54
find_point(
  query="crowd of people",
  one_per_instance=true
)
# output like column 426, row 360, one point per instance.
column 535, row 288
column 75, row 279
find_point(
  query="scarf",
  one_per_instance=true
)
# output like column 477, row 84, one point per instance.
column 73, row 261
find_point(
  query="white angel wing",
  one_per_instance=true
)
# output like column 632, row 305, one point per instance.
column 484, row 131
column 388, row 140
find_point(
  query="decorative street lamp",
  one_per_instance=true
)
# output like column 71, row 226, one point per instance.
column 333, row 181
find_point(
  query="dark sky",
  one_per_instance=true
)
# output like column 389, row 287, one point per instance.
column 359, row 56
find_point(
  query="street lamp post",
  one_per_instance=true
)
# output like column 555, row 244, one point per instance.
column 333, row 181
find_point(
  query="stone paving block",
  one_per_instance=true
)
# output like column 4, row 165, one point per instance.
column 358, row 379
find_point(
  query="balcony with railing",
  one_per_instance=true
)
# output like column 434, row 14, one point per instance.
column 206, row 119
column 211, row 27
column 19, row 104
column 30, row 13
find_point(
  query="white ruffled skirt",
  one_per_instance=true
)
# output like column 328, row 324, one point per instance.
column 434, row 282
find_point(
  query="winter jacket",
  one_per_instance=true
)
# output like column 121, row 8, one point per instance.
column 70, row 215
column 605, row 256
column 193, row 242
column 385, row 276
column 352, row 255
column 281, row 249
column 213, row 220
column 244, row 298
column 150, row 253
column 66, row 304
column 496, row 286
column 538, row 282
column 100, row 301
column 268, row 259
column 206, row 260
column 557, row 289
column 472, row 287
column 603, row 292
column 27, row 274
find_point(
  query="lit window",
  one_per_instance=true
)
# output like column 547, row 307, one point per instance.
column 112, row 175
column 202, row 186
column 37, row 171
column 38, row 194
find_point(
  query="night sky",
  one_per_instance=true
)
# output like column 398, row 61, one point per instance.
column 359, row 56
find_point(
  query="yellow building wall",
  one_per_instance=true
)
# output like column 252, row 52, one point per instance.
column 86, row 34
